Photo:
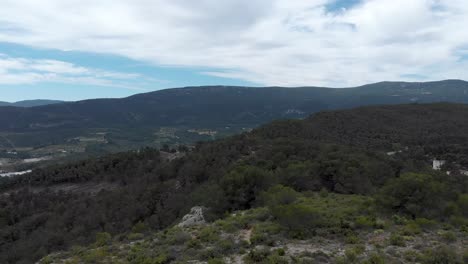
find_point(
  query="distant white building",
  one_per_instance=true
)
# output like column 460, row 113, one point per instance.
column 437, row 164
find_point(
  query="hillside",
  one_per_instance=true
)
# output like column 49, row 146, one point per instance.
column 186, row 115
column 31, row 103
column 256, row 236
column 379, row 155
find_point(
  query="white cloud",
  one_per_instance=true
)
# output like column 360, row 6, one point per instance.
column 15, row 71
column 271, row 42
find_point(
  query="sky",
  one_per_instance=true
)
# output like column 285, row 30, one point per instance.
column 79, row 49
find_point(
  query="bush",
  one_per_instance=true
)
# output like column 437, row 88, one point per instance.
column 161, row 259
column 135, row 236
column 178, row 237
column 281, row 252
column 365, row 222
column 441, row 255
column 278, row 195
column 352, row 238
column 411, row 228
column 103, row 239
column 462, row 204
column 375, row 258
column 299, row 219
column 94, row 256
column 209, row 234
column 46, row 260
column 397, row 240
column 416, row 195
column 465, row 256
column 216, row 261
column 257, row 255
column 226, row 246
column 264, row 255
column 425, row 223
column 449, row 236
column 351, row 255
column 139, row 228
column 242, row 185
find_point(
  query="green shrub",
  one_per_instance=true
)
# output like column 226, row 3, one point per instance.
column 209, row 234
column 94, row 256
column 210, row 253
column 375, row 258
column 465, row 256
column 278, row 195
column 264, row 255
column 462, row 204
column 411, row 228
column 299, row 219
column 77, row 250
column 411, row 255
column 194, row 243
column 459, row 221
column 47, row 260
column 139, row 228
column 103, row 239
column 365, row 222
column 425, row 223
column 399, row 220
column 263, row 233
column 216, row 261
column 351, row 255
column 281, row 252
column 226, row 246
column 440, row 255
column 257, row 255
column 135, row 236
column 323, row 193
column 415, row 195
column 352, row 238
column 258, row 238
column 397, row 240
column 178, row 237
column 276, row 259
column 242, row 185
column 449, row 236
column 161, row 259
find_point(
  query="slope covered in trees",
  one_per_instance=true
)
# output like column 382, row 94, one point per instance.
column 218, row 108
column 344, row 152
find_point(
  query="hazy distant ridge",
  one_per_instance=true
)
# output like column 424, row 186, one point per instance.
column 31, row 103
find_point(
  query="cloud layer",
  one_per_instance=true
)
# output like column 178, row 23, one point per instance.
column 269, row 42
column 30, row 71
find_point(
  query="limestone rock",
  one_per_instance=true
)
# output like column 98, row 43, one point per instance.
column 195, row 217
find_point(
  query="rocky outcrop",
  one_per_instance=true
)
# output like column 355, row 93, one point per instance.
column 195, row 217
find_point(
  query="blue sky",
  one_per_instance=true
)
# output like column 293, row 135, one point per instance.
column 150, row 77
column 72, row 50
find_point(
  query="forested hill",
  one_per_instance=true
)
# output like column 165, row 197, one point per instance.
column 345, row 152
column 441, row 128
column 217, row 106
column 218, row 109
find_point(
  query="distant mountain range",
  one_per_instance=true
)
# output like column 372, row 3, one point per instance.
column 216, row 109
column 31, row 103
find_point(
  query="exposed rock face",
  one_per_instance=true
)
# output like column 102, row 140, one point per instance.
column 195, row 217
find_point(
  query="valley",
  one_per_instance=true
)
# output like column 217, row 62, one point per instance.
column 59, row 132
column 359, row 184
